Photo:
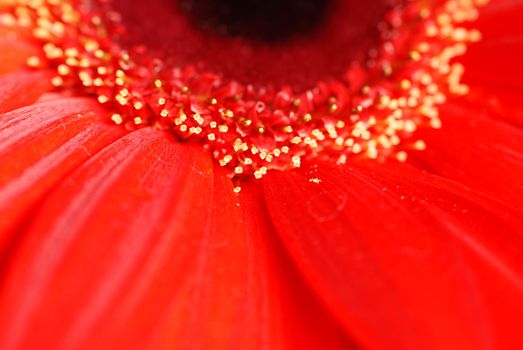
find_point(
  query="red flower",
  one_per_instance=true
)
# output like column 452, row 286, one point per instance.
column 304, row 231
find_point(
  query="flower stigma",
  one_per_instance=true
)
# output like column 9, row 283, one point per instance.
column 372, row 110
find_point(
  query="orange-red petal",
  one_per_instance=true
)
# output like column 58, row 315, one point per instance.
column 294, row 318
column 477, row 150
column 14, row 54
column 496, row 59
column 39, row 145
column 22, row 88
column 404, row 260
column 496, row 102
column 143, row 247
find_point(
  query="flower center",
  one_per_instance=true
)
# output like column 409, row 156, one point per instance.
column 258, row 20
column 267, row 43
column 369, row 88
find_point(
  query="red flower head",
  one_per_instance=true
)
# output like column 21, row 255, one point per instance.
column 261, row 174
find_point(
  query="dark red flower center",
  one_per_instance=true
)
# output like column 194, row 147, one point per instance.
column 250, row 81
column 259, row 20
column 273, row 42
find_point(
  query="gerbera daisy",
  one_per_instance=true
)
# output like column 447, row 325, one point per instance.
column 261, row 174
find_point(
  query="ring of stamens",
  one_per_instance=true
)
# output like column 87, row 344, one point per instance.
column 372, row 112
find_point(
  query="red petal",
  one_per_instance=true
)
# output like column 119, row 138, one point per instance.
column 480, row 152
column 21, row 89
column 402, row 259
column 295, row 319
column 14, row 54
column 497, row 58
column 40, row 144
column 142, row 247
column 497, row 102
